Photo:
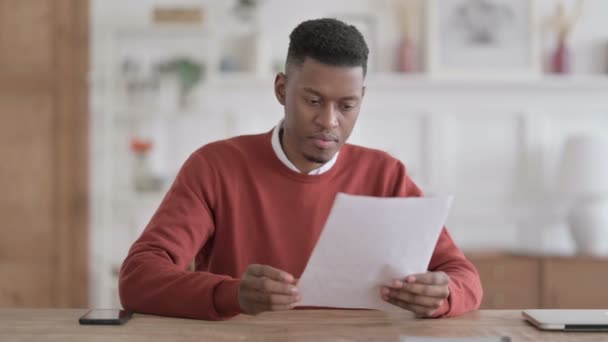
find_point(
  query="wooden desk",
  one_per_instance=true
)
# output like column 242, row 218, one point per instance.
column 300, row 325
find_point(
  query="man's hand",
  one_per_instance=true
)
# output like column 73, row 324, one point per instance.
column 421, row 293
column 264, row 288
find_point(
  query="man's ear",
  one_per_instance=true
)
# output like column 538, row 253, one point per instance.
column 280, row 83
column 363, row 92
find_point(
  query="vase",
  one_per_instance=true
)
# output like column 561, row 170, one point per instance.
column 589, row 226
column 560, row 60
column 406, row 56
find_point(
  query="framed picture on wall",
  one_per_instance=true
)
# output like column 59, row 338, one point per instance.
column 482, row 39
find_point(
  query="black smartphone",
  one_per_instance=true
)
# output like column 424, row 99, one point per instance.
column 105, row 317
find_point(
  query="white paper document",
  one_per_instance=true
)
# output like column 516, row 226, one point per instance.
column 366, row 243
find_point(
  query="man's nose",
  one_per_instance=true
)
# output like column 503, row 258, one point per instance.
column 328, row 117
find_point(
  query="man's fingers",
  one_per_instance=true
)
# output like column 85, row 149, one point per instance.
column 428, row 278
column 257, row 302
column 268, row 285
column 284, row 300
column 270, row 272
column 438, row 291
column 410, row 298
column 274, row 299
column 264, row 301
column 264, row 288
column 420, row 311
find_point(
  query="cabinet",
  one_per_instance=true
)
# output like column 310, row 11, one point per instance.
column 509, row 282
column 575, row 283
column 512, row 281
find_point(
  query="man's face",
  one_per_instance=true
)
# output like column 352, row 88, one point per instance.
column 322, row 103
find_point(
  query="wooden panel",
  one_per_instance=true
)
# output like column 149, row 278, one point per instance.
column 27, row 144
column 509, row 282
column 578, row 283
column 72, row 152
column 43, row 142
column 27, row 207
column 26, row 37
column 24, row 246
column 33, row 289
column 26, row 140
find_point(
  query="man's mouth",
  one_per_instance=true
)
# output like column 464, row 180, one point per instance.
column 324, row 141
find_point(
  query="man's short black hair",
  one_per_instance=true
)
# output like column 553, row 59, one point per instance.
column 329, row 41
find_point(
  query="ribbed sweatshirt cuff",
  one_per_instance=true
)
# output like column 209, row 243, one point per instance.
column 226, row 299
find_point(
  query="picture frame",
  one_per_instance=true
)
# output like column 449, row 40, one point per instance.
column 482, row 39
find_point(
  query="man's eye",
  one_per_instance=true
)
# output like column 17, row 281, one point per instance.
column 314, row 101
column 347, row 107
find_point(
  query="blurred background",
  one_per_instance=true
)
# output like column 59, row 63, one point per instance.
column 501, row 103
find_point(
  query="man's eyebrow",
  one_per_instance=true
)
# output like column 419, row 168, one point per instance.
column 312, row 91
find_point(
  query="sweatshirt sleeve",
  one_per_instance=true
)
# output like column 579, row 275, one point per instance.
column 153, row 277
column 465, row 285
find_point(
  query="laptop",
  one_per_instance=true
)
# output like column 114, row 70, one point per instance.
column 568, row 320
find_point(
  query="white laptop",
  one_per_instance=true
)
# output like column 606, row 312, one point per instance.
column 568, row 320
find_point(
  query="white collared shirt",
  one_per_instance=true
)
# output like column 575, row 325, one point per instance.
column 278, row 150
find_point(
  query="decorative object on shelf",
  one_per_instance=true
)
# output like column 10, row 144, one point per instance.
column 141, row 84
column 143, row 177
column 188, row 72
column 407, row 49
column 406, row 55
column 564, row 24
column 583, row 179
column 245, row 10
column 178, row 15
column 491, row 39
column 230, row 64
column 250, row 47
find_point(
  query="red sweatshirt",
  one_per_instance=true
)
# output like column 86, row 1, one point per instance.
column 234, row 203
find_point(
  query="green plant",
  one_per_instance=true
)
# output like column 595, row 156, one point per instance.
column 189, row 73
